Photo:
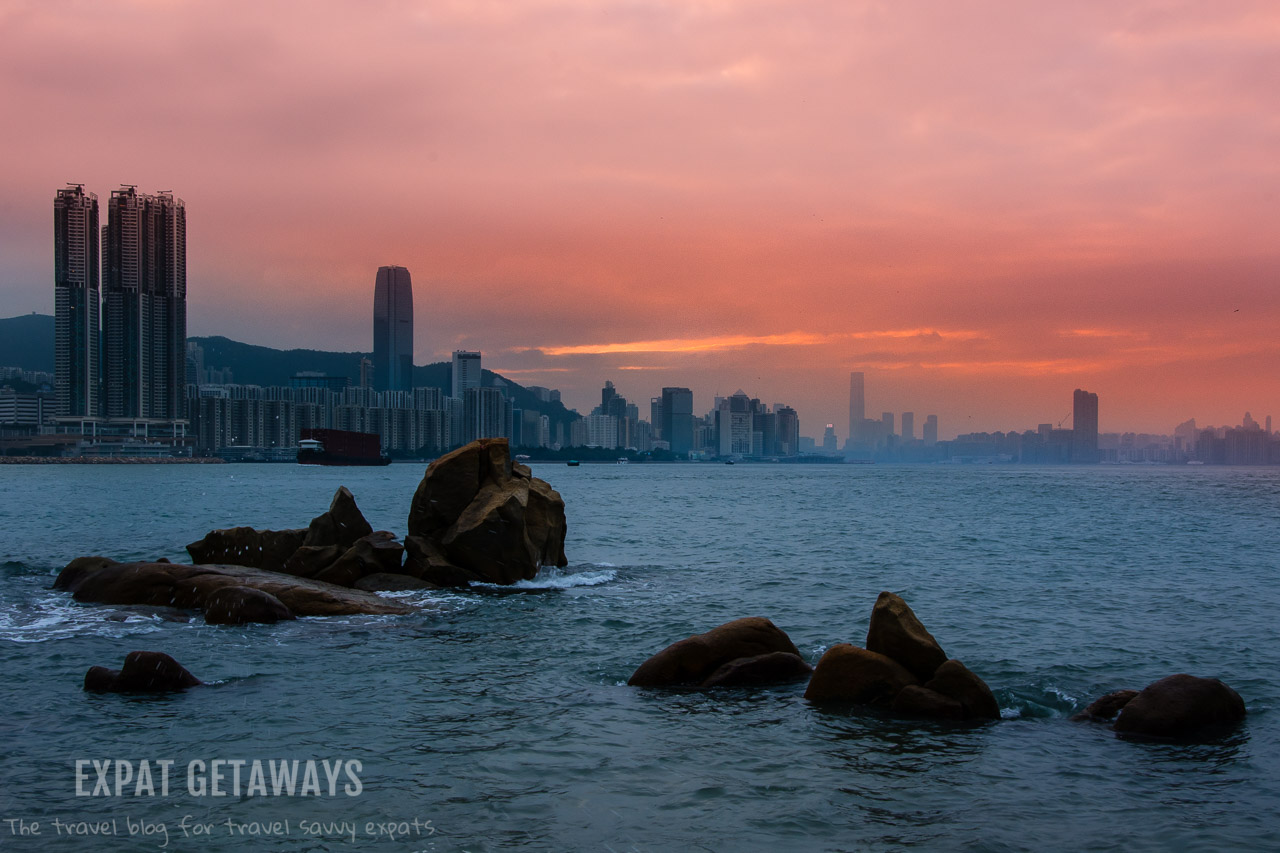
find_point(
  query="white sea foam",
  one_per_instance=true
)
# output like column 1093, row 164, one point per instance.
column 560, row 579
column 53, row 617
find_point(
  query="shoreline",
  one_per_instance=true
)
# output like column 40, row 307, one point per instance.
column 109, row 460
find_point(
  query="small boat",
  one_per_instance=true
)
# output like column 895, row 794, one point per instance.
column 728, row 461
column 622, row 460
column 573, row 463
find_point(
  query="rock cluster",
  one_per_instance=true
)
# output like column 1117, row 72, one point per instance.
column 902, row 668
column 1176, row 707
column 142, row 672
column 477, row 517
column 743, row 652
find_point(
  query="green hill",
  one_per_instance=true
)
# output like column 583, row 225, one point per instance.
column 27, row 342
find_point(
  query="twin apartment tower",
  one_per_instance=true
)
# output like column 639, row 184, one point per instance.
column 120, row 305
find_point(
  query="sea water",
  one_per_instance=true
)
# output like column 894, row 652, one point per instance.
column 500, row 718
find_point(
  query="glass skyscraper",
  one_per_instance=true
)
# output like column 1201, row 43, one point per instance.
column 393, row 330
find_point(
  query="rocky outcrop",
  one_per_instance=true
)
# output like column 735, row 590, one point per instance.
column 391, row 582
column 477, row 517
column 103, row 581
column 695, row 660
column 142, row 672
column 242, row 605
column 903, row 668
column 1180, row 706
column 339, row 546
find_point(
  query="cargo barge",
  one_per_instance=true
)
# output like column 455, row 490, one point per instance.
column 340, row 447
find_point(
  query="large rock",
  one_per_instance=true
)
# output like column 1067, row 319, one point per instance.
column 895, row 632
column 491, row 521
column 954, row 680
column 102, row 581
column 693, row 660
column 245, row 546
column 143, row 672
column 391, row 582
column 242, row 605
column 916, row 701
column 1181, row 706
column 376, row 553
column 773, row 668
column 847, row 673
column 342, row 524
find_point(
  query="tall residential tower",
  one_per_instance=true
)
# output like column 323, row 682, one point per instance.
column 77, row 374
column 393, row 330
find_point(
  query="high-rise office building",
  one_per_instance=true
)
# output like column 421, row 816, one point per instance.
column 677, row 420
column 393, row 330
column 908, row 426
column 1084, row 427
column 466, row 372
column 857, row 403
column 145, row 306
column 930, row 431
column 77, row 374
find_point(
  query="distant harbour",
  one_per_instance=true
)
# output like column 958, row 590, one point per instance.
column 110, row 460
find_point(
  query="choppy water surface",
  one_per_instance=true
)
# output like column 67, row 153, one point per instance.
column 503, row 717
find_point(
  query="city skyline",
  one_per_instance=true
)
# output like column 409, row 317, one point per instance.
column 976, row 209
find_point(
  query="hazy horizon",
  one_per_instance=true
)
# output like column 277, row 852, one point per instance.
column 981, row 207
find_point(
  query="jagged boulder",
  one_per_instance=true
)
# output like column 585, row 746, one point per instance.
column 846, row 673
column 376, row 553
column 242, row 605
column 245, row 546
column 342, row 524
column 142, row 672
column 103, row 581
column 694, row 660
column 895, row 632
column 1180, row 706
column 478, row 517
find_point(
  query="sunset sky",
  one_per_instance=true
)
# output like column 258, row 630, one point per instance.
column 981, row 205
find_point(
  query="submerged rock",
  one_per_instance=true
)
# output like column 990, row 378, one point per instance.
column 1105, row 708
column 142, row 672
column 475, row 516
column 954, row 680
column 103, row 581
column 1181, row 706
column 694, row 660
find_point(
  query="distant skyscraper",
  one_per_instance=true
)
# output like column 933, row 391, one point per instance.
column 1084, row 427
column 930, row 431
column 886, row 418
column 908, row 426
column 76, row 299
column 677, row 420
column 857, row 403
column 466, row 372
column 145, row 306
column 393, row 330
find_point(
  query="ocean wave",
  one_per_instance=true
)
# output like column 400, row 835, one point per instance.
column 558, row 579
column 53, row 617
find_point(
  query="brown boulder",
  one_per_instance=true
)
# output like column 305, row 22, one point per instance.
column 955, row 681
column 342, row 524
column 1180, row 706
column 245, row 546
column 310, row 560
column 695, row 659
column 895, row 632
column 1105, row 708
column 177, row 585
column 425, row 560
column 847, row 673
column 773, row 668
column 142, row 672
column 372, row 554
column 241, row 605
column 493, row 522
column 916, row 701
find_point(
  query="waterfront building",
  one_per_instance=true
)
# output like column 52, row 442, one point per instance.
column 393, row 330
column 908, row 426
column 857, row 403
column 76, row 280
column 677, row 420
